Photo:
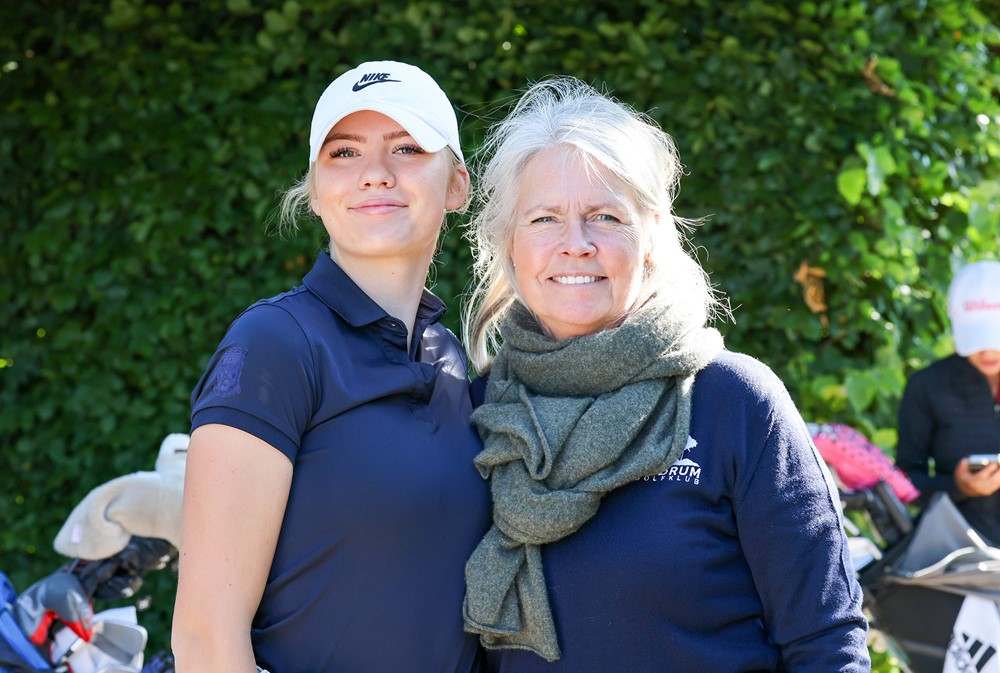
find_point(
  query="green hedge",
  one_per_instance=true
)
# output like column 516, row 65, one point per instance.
column 143, row 145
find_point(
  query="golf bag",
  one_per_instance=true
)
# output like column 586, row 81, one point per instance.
column 935, row 591
column 932, row 585
column 51, row 625
column 128, row 526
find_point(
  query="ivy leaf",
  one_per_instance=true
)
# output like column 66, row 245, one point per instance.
column 879, row 164
column 860, row 390
column 851, row 184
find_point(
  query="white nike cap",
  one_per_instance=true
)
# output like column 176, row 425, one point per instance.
column 405, row 93
column 974, row 308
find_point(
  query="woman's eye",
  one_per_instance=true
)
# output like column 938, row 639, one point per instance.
column 544, row 219
column 410, row 149
column 605, row 217
column 343, row 152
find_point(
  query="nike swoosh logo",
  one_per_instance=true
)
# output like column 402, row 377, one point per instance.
column 359, row 86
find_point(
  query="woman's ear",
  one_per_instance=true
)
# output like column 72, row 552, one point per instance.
column 649, row 236
column 458, row 188
column 314, row 203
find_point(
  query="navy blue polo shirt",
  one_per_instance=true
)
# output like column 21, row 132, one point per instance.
column 385, row 504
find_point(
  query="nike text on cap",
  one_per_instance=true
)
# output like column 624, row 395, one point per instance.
column 974, row 308
column 403, row 92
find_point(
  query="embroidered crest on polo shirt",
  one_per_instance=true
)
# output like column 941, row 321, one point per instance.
column 684, row 470
column 227, row 377
column 372, row 78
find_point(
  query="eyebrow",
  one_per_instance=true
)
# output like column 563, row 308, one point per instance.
column 603, row 205
column 356, row 138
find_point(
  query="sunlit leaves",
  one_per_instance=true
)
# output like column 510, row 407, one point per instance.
column 143, row 145
column 851, row 184
column 879, row 165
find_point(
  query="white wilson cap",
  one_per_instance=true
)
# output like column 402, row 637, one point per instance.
column 402, row 92
column 974, row 308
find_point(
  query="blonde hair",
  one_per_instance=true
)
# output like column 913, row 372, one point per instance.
column 602, row 132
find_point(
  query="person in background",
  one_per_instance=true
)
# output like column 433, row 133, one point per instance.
column 330, row 500
column 951, row 409
column 658, row 503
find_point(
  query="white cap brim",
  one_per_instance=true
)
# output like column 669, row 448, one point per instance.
column 980, row 335
column 404, row 93
column 429, row 139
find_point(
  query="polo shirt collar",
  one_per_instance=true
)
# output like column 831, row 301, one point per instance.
column 336, row 289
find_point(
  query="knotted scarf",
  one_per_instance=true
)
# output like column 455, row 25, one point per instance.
column 563, row 423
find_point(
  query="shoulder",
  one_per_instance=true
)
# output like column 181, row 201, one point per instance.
column 945, row 366
column 441, row 334
column 936, row 373
column 738, row 391
column 445, row 349
column 282, row 319
column 268, row 341
column 738, row 374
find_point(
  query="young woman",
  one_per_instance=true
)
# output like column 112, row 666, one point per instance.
column 330, row 499
column 951, row 409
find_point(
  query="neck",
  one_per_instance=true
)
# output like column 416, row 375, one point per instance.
column 396, row 285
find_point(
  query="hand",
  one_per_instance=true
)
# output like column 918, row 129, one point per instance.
column 977, row 484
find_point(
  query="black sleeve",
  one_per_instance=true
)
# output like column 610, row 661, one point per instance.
column 916, row 429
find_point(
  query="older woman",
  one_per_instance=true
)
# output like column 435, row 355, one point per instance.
column 658, row 504
column 330, row 500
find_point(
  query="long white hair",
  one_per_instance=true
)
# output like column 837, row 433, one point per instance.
column 602, row 132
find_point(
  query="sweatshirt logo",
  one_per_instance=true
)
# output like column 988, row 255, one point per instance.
column 684, row 470
column 372, row 78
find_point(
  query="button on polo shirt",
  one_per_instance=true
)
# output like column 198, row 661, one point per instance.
column 385, row 504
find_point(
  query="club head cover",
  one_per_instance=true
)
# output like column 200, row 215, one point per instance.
column 145, row 504
column 60, row 596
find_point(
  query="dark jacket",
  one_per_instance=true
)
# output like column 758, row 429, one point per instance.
column 947, row 413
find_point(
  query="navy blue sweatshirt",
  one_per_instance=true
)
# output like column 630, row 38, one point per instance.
column 733, row 560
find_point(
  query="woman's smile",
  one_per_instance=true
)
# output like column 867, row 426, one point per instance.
column 378, row 206
column 577, row 280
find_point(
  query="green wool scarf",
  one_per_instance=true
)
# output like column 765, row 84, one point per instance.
column 565, row 422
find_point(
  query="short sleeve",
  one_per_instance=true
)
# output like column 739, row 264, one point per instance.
column 260, row 380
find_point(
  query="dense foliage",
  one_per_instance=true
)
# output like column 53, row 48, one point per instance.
column 844, row 153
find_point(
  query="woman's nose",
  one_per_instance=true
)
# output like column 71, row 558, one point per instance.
column 375, row 172
column 577, row 240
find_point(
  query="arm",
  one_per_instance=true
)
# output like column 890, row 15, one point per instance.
column 913, row 450
column 791, row 532
column 800, row 563
column 235, row 491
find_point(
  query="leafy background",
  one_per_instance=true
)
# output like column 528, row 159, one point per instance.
column 850, row 144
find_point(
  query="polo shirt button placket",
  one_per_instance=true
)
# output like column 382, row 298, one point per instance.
column 393, row 336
